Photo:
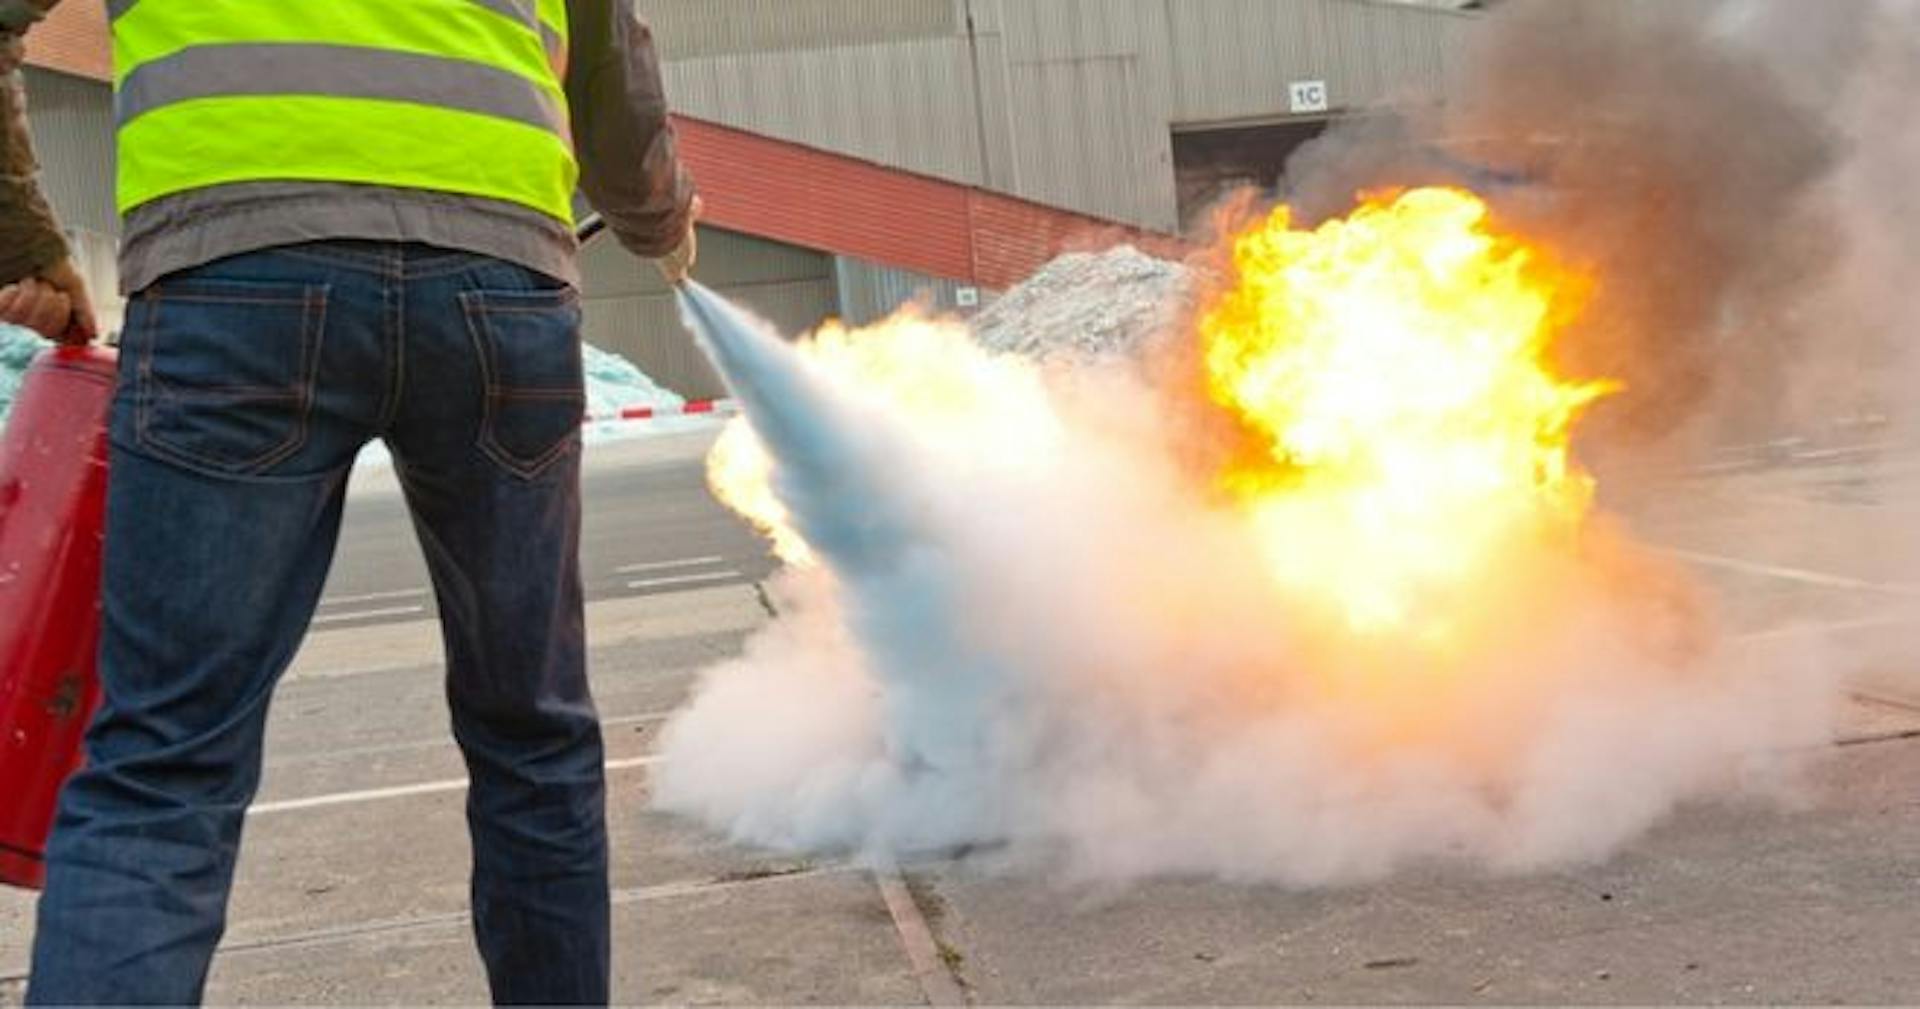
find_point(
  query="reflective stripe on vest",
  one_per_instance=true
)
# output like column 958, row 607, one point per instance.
column 459, row 96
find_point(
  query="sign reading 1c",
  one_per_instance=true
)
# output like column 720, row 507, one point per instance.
column 1307, row 96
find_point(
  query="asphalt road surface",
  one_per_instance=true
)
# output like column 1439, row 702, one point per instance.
column 650, row 527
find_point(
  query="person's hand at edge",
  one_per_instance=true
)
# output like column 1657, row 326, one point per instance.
column 677, row 265
column 55, row 305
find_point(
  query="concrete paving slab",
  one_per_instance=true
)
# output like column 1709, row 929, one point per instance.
column 16, row 934
column 816, row 940
column 339, row 729
column 401, row 706
column 398, row 861
column 401, row 859
column 1882, row 661
column 1868, row 719
column 394, row 860
column 1772, row 519
column 1831, row 547
column 364, row 901
column 392, row 728
column 1722, row 905
column 823, row 940
column 420, row 966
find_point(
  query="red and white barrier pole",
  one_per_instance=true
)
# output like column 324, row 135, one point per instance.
column 691, row 408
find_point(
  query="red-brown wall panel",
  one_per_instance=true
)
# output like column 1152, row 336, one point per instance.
column 73, row 39
column 827, row 201
column 844, row 205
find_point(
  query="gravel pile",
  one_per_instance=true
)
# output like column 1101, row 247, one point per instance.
column 1086, row 305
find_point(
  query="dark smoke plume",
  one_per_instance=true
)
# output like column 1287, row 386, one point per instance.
column 1682, row 149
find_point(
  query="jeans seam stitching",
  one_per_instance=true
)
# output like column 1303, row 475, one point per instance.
column 436, row 269
column 209, row 299
column 310, row 340
column 476, row 312
column 313, row 324
column 143, row 393
column 396, row 324
column 343, row 262
column 478, row 334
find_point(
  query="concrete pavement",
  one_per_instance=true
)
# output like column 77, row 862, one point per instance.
column 352, row 884
column 1722, row 905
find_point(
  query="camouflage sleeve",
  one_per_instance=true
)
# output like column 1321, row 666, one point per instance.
column 630, row 167
column 30, row 240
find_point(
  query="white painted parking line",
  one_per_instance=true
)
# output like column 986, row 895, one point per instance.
column 1829, row 627
column 689, row 562
column 444, row 742
column 648, row 718
column 403, row 791
column 373, row 597
column 389, row 611
column 699, row 579
column 1792, row 574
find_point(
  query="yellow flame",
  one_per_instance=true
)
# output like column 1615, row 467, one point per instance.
column 966, row 408
column 1390, row 365
column 1392, row 362
column 740, row 474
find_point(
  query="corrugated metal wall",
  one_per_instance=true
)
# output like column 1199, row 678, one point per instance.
column 630, row 311
column 1233, row 59
column 870, row 292
column 906, row 104
column 1086, row 91
column 1067, row 102
column 73, row 135
column 73, row 129
column 716, row 27
column 885, row 80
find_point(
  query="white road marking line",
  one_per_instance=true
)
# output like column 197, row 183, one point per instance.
column 646, row 719
column 710, row 576
column 404, row 791
column 445, row 742
column 389, row 611
column 1792, row 574
column 1830, row 627
column 690, row 562
column 373, row 597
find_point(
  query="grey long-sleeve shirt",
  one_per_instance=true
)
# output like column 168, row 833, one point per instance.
column 630, row 172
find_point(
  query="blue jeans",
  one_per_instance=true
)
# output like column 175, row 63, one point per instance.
column 247, row 387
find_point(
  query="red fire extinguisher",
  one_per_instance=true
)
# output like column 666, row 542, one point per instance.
column 53, row 481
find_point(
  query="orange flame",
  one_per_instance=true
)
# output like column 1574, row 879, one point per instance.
column 1389, row 364
column 1392, row 362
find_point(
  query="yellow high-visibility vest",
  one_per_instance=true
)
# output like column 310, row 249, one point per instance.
column 453, row 96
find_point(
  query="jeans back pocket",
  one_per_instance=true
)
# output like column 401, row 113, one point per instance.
column 226, row 370
column 528, row 343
